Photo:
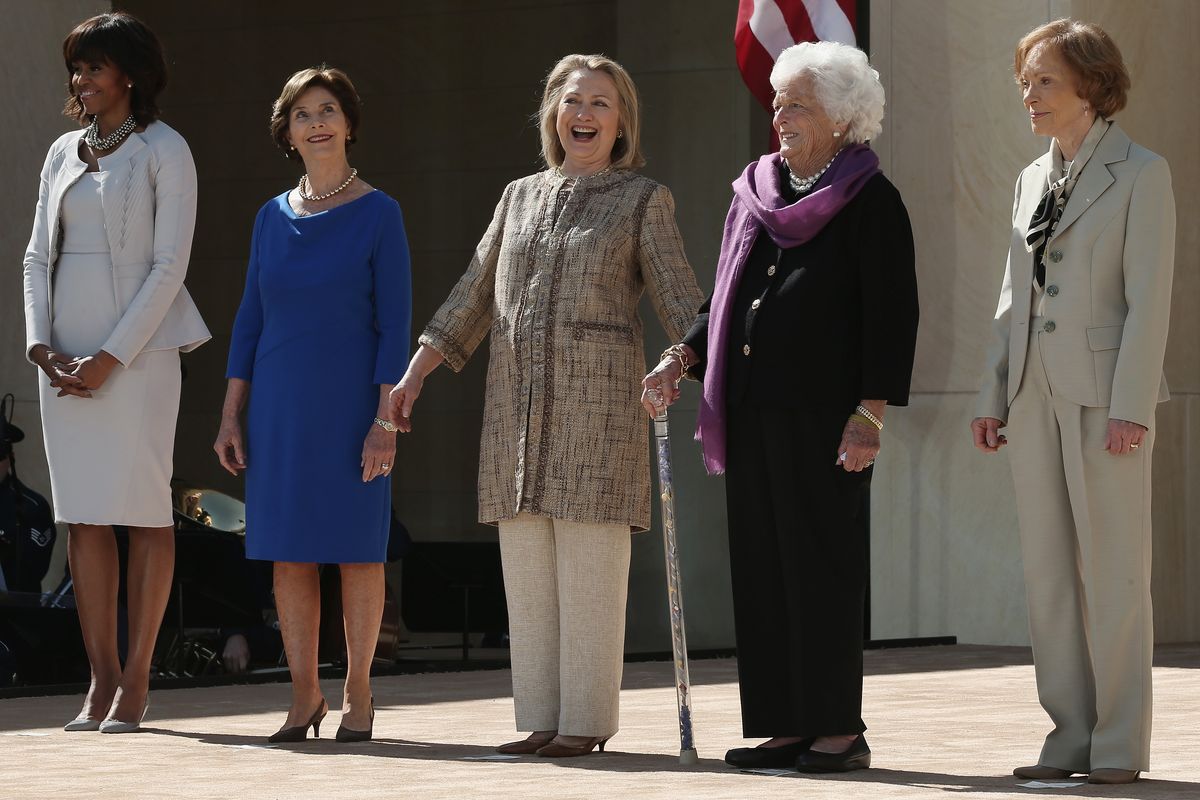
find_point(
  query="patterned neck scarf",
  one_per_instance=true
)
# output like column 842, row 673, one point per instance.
column 1050, row 208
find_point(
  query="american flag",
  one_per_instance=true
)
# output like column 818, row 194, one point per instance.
column 765, row 28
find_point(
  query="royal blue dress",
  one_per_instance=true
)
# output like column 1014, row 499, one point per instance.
column 324, row 321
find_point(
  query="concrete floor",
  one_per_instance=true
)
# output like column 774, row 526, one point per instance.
column 944, row 722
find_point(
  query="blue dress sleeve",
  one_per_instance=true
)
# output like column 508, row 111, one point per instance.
column 392, row 272
column 247, row 326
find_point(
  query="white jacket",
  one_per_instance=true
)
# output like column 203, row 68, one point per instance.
column 148, row 191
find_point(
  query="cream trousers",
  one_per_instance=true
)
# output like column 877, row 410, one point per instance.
column 566, row 584
column 1085, row 545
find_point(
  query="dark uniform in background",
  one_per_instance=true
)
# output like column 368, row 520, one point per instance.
column 27, row 530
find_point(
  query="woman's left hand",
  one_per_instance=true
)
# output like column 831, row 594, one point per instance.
column 379, row 453
column 94, row 370
column 859, row 446
column 1124, row 437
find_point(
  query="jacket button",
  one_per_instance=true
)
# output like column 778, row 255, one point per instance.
column 1052, row 290
column 756, row 304
column 746, row 349
column 771, row 270
column 1049, row 326
column 1056, row 256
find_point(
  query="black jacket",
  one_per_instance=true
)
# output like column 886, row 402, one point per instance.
column 836, row 320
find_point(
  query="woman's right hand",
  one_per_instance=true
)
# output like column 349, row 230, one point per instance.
column 402, row 397
column 58, row 369
column 229, row 446
column 987, row 435
column 661, row 387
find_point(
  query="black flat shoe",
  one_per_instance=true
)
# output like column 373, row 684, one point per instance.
column 780, row 757
column 298, row 733
column 856, row 756
column 345, row 734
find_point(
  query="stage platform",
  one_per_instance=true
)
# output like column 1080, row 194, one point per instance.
column 945, row 722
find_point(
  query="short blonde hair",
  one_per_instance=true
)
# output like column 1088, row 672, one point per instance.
column 627, row 150
column 845, row 84
column 1091, row 54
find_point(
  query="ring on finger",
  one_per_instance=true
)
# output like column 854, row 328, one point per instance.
column 1134, row 446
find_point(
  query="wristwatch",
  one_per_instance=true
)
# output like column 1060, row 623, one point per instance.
column 387, row 425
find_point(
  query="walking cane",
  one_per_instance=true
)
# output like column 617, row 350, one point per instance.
column 683, row 689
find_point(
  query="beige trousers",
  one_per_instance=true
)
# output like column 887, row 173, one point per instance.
column 1085, row 543
column 566, row 584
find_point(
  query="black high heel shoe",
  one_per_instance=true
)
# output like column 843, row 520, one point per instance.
column 856, row 756
column 298, row 733
column 345, row 734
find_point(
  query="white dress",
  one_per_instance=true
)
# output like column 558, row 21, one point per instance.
column 110, row 455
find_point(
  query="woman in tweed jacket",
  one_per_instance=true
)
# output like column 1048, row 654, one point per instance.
column 564, row 465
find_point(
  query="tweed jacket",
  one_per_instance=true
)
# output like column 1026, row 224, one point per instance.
column 556, row 282
column 1109, row 267
column 148, row 192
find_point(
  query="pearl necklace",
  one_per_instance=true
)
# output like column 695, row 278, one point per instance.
column 303, row 187
column 94, row 140
column 802, row 185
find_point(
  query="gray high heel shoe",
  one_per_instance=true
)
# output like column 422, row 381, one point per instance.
column 113, row 725
column 82, row 724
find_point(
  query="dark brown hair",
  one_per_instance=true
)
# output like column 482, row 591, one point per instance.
column 125, row 42
column 1091, row 54
column 339, row 85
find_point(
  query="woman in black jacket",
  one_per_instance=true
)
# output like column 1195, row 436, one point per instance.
column 809, row 334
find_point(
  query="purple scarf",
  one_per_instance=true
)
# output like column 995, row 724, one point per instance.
column 759, row 204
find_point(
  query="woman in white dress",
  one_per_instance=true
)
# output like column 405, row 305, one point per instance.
column 106, row 316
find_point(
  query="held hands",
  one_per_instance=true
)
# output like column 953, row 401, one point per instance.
column 661, row 387
column 92, row 371
column 59, row 369
column 986, row 432
column 1124, row 437
column 401, row 399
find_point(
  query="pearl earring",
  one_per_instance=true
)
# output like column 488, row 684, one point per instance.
column 837, row 134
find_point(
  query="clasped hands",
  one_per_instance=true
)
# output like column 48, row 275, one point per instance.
column 1122, row 438
column 79, row 375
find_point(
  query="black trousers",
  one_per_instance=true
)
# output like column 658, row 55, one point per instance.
column 799, row 567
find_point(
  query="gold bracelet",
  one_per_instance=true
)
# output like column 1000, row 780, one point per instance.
column 387, row 425
column 863, row 421
column 865, row 413
column 677, row 352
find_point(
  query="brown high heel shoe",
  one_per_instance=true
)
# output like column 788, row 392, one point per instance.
column 298, row 733
column 557, row 749
column 527, row 746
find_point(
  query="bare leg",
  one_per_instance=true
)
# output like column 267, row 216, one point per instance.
column 298, row 601
column 95, row 569
column 148, row 587
column 362, row 608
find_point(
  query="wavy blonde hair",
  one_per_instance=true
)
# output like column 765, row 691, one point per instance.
column 627, row 150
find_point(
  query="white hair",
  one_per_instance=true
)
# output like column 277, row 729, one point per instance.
column 846, row 86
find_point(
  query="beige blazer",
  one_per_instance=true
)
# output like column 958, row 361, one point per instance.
column 1108, row 286
column 148, row 191
column 556, row 281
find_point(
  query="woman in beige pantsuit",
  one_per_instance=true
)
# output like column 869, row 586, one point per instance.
column 1074, row 371
column 564, row 461
column 106, row 317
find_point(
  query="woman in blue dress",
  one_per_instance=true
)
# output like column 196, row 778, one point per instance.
column 320, row 338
